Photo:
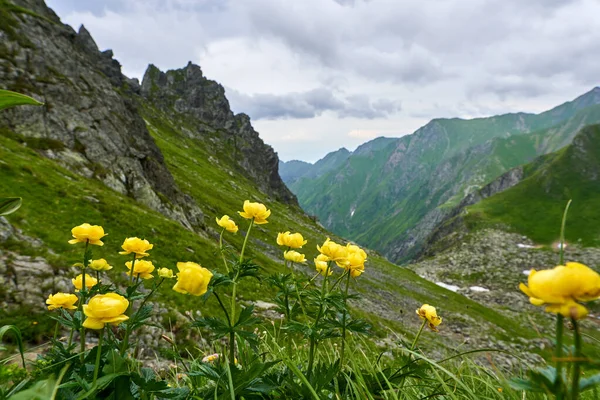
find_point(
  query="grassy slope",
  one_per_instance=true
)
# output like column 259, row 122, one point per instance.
column 384, row 211
column 55, row 200
column 534, row 206
column 394, row 290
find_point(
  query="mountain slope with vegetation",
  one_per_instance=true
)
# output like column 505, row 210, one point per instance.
column 391, row 198
column 572, row 173
column 158, row 160
column 497, row 234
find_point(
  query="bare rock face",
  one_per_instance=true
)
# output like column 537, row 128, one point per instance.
column 186, row 93
column 88, row 115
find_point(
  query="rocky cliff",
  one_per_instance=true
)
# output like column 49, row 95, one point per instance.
column 200, row 107
column 87, row 123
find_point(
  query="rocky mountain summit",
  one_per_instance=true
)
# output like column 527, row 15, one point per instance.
column 199, row 106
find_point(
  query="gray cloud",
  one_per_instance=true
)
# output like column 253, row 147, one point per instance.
column 311, row 104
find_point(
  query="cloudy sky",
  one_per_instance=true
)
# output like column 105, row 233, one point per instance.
column 317, row 75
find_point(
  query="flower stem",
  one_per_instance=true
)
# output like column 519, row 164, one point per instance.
column 233, row 293
column 558, row 355
column 313, row 341
column 98, row 354
column 221, row 250
column 562, row 234
column 132, row 267
column 577, row 366
column 82, row 293
column 246, row 240
column 344, row 320
column 231, row 332
column 55, row 331
column 414, row 343
column 125, row 343
column 340, row 279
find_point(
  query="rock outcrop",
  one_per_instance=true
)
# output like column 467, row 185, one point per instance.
column 93, row 126
column 200, row 104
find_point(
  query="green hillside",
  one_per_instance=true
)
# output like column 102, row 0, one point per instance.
column 391, row 198
column 534, row 206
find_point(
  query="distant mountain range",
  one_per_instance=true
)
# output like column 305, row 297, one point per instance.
column 391, row 194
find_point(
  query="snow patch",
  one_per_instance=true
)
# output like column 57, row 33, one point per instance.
column 525, row 246
column 453, row 288
column 478, row 289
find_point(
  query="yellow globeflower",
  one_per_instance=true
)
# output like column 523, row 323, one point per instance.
column 256, row 211
column 62, row 300
column 429, row 313
column 136, row 245
column 294, row 256
column 293, row 240
column 357, row 271
column 166, row 273
column 104, row 309
column 355, row 260
column 142, row 269
column 321, row 264
column 78, row 282
column 88, row 233
column 227, row 223
column 99, row 265
column 561, row 286
column 570, row 309
column 192, row 279
column 334, row 252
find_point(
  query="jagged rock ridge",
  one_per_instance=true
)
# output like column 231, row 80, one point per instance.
column 205, row 110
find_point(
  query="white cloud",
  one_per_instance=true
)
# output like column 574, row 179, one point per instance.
column 355, row 65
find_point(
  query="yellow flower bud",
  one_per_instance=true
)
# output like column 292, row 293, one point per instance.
column 192, row 279
column 104, row 309
column 78, row 282
column 427, row 312
column 142, row 269
column 292, row 240
column 165, row 273
column 294, row 256
column 227, row 223
column 210, row 358
column 88, row 233
column 321, row 264
column 136, row 245
column 62, row 300
column 256, row 211
column 100, row 265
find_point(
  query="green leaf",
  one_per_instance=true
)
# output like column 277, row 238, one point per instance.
column 140, row 317
column 11, row 99
column 246, row 318
column 9, row 205
column 524, row 385
column 5, row 329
